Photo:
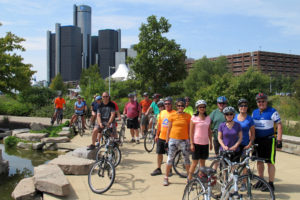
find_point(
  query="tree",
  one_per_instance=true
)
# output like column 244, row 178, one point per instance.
column 57, row 84
column 297, row 88
column 14, row 74
column 159, row 61
column 37, row 96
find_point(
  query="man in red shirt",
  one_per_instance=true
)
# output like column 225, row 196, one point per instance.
column 145, row 104
column 133, row 111
column 59, row 105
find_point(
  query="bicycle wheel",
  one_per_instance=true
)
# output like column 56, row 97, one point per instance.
column 101, row 176
column 121, row 136
column 113, row 155
column 116, row 156
column 179, row 166
column 251, row 187
column 80, row 129
column 194, row 190
column 149, row 141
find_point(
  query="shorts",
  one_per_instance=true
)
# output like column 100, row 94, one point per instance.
column 174, row 146
column 201, row 152
column 133, row 123
column 266, row 148
column 216, row 146
column 144, row 120
column 104, row 123
column 58, row 109
column 160, row 146
column 79, row 114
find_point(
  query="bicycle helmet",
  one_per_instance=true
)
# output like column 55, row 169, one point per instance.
column 78, row 97
column 130, row 95
column 200, row 102
column 228, row 109
column 222, row 99
column 261, row 96
column 145, row 94
column 180, row 100
column 98, row 98
column 156, row 96
column 168, row 99
column 242, row 101
column 160, row 103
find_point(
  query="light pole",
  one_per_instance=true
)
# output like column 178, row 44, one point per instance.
column 109, row 78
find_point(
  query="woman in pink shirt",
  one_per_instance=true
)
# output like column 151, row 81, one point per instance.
column 200, row 136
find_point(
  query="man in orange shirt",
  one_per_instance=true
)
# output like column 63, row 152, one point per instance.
column 145, row 104
column 162, row 128
column 59, row 105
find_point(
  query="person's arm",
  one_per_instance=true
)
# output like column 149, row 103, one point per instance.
column 99, row 119
column 279, row 135
column 220, row 139
column 210, row 138
column 191, row 130
column 112, row 116
column 237, row 144
column 168, row 131
column 251, row 137
column 149, row 110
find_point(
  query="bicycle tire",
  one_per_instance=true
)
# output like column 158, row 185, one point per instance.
column 149, row 142
column 179, row 166
column 101, row 176
column 80, row 129
column 122, row 136
column 115, row 157
column 194, row 190
column 250, row 181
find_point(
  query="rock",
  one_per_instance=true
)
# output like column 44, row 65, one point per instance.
column 18, row 131
column 66, row 128
column 38, row 146
column 51, row 179
column 71, row 165
column 4, row 133
column 50, row 147
column 25, row 190
column 64, row 133
column 2, row 130
column 70, row 146
column 31, row 136
column 56, row 140
column 36, row 126
column 63, row 151
column 23, row 145
column 3, row 164
column 82, row 152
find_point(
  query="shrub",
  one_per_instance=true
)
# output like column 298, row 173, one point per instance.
column 10, row 106
column 37, row 96
column 11, row 141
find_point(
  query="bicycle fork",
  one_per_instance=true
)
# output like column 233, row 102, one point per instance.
column 235, row 194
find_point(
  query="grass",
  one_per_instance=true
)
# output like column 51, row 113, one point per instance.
column 52, row 130
column 291, row 130
column 287, row 107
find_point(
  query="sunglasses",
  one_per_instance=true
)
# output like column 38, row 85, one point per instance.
column 201, row 106
column 104, row 96
column 167, row 103
column 221, row 103
column 182, row 106
column 261, row 101
column 229, row 114
column 243, row 106
column 160, row 106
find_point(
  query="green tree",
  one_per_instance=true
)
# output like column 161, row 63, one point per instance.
column 297, row 88
column 37, row 96
column 14, row 74
column 159, row 61
column 57, row 84
column 91, row 82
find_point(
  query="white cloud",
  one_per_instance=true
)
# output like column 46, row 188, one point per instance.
column 116, row 21
column 35, row 44
column 127, row 41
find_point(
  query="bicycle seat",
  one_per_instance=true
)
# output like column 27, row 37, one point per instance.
column 208, row 170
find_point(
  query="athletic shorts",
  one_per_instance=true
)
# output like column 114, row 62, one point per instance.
column 144, row 120
column 266, row 148
column 216, row 146
column 160, row 146
column 58, row 109
column 201, row 152
column 133, row 123
column 174, row 146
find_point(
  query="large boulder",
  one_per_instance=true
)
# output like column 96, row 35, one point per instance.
column 37, row 146
column 23, row 145
column 25, row 190
column 51, row 179
column 64, row 133
column 56, row 140
column 82, row 152
column 4, row 132
column 18, row 131
column 50, row 147
column 66, row 128
column 71, row 165
column 36, row 126
column 31, row 136
column 68, row 145
column 3, row 164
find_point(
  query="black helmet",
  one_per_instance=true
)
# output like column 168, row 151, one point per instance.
column 242, row 101
column 261, row 96
column 180, row 100
column 228, row 109
column 168, row 99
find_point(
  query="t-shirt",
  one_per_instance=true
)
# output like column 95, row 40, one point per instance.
column 155, row 108
column 132, row 109
column 230, row 136
column 163, row 123
column 180, row 125
column 217, row 117
column 145, row 105
column 95, row 106
column 105, row 110
column 79, row 105
column 246, row 125
column 189, row 110
column 201, row 130
column 116, row 105
column 59, row 102
column 264, row 121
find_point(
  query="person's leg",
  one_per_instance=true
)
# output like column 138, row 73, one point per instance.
column 83, row 122
column 192, row 169
column 271, row 171
column 74, row 117
column 260, row 169
column 184, row 146
column 54, row 116
column 160, row 158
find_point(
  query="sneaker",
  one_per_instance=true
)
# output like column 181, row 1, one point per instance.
column 132, row 140
column 166, row 181
column 258, row 185
column 264, row 188
column 272, row 186
column 156, row 172
column 243, row 187
column 52, row 122
column 91, row 147
column 137, row 141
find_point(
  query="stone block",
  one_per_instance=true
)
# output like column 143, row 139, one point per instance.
column 23, row 145
column 51, row 179
column 4, row 166
column 38, row 146
column 56, row 140
column 31, row 136
column 18, row 131
column 36, row 126
column 82, row 152
column 64, row 133
column 68, row 145
column 50, row 147
column 65, row 128
column 25, row 190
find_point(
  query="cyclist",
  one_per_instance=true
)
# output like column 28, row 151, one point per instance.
column 162, row 128
column 85, row 111
column 230, row 134
column 200, row 137
column 59, row 106
column 265, row 118
column 79, row 111
column 94, row 107
column 188, row 109
column 133, row 111
column 217, row 117
column 153, row 107
column 145, row 104
column 105, row 118
column 177, row 137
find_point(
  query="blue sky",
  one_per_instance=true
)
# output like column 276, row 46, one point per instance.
column 202, row 27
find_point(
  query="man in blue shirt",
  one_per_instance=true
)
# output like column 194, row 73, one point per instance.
column 265, row 120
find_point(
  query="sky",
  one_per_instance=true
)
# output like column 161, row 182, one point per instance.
column 203, row 27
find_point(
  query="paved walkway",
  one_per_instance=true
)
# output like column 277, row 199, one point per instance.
column 133, row 180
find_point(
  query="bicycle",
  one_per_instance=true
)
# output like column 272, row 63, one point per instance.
column 110, row 149
column 59, row 116
column 179, row 166
column 121, row 133
column 149, row 141
column 77, row 126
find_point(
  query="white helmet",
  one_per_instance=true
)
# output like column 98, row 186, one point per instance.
column 199, row 102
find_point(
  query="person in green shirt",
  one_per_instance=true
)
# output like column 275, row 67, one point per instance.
column 188, row 109
column 217, row 117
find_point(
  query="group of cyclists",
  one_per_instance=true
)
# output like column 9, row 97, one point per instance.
column 197, row 132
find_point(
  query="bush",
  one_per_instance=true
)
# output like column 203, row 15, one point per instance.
column 287, row 107
column 10, row 106
column 291, row 130
column 37, row 96
column 11, row 141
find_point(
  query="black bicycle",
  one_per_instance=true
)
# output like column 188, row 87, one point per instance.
column 179, row 166
column 149, row 141
column 121, row 133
